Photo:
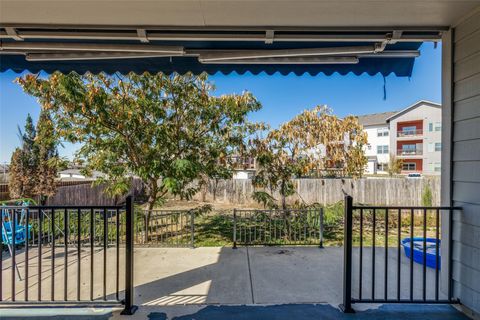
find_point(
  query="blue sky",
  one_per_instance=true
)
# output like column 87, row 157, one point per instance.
column 282, row 97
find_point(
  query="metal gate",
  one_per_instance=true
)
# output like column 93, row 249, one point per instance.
column 278, row 227
column 165, row 228
column 392, row 255
column 67, row 255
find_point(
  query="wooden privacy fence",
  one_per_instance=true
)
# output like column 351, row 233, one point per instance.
column 5, row 193
column 385, row 191
column 90, row 195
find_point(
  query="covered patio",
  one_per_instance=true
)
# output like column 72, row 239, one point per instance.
column 373, row 37
column 209, row 282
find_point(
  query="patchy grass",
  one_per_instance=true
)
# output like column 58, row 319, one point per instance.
column 214, row 230
column 216, row 227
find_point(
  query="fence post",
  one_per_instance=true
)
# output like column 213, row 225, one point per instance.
column 321, row 227
column 146, row 215
column 129, row 307
column 346, row 307
column 192, row 229
column 234, row 228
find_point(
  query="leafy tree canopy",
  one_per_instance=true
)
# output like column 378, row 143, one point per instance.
column 166, row 130
column 314, row 142
column 34, row 165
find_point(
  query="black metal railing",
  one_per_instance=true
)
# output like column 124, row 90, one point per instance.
column 66, row 254
column 165, row 228
column 392, row 254
column 278, row 227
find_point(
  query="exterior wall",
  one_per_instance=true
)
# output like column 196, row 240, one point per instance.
column 373, row 142
column 371, row 167
column 420, row 117
column 460, row 187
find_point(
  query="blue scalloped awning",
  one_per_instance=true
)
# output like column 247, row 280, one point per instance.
column 401, row 67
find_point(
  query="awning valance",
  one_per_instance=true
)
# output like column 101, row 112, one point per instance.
column 285, row 53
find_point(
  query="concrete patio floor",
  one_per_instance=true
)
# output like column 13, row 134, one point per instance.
column 222, row 283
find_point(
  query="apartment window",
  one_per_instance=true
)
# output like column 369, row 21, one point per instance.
column 382, row 132
column 409, row 149
column 409, row 130
column 437, row 126
column 382, row 166
column 438, row 146
column 382, row 149
column 409, row 166
column 369, row 146
column 437, row 167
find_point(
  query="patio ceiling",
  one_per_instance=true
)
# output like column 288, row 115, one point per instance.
column 210, row 36
column 237, row 13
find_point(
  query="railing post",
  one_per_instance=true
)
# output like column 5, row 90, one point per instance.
column 450, row 258
column 234, row 228
column 346, row 306
column 321, row 228
column 129, row 307
column 146, row 215
column 192, row 229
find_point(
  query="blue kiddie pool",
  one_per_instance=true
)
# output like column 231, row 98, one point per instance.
column 418, row 250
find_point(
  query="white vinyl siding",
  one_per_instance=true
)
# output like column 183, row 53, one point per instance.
column 430, row 147
column 382, row 132
column 465, row 172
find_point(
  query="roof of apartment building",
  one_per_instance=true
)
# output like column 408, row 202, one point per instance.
column 375, row 119
column 413, row 106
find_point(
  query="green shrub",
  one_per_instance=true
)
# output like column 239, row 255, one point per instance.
column 427, row 196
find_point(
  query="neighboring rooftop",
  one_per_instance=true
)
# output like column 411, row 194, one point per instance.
column 76, row 174
column 375, row 119
column 4, row 167
column 413, row 106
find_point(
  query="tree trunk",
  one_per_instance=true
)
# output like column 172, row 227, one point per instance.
column 204, row 192
column 152, row 192
column 147, row 216
column 282, row 193
column 215, row 186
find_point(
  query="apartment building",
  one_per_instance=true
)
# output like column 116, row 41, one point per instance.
column 377, row 149
column 412, row 134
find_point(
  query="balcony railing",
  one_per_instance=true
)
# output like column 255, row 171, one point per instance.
column 392, row 255
column 409, row 133
column 411, row 152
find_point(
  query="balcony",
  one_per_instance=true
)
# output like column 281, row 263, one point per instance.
column 409, row 133
column 409, row 152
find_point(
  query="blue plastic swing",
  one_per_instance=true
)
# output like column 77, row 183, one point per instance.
column 21, row 231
